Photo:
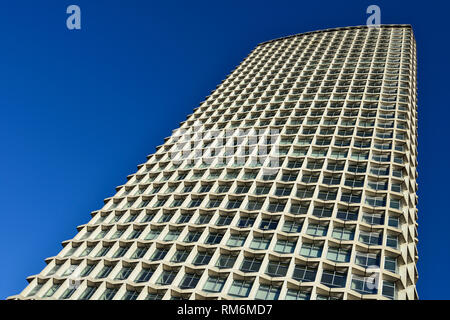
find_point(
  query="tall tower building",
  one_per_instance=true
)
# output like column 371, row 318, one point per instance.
column 294, row 179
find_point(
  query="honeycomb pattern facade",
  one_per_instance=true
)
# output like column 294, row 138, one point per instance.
column 294, row 179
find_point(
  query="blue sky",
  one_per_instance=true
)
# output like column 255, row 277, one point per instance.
column 80, row 109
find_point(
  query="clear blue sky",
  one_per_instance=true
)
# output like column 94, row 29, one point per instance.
column 80, row 109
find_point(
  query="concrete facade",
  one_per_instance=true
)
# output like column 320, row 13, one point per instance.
column 294, row 179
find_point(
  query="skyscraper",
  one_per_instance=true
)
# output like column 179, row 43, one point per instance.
column 294, row 179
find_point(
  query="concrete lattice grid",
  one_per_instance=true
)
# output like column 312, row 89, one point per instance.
column 294, row 179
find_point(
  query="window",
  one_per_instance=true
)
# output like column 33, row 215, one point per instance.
column 277, row 268
column 283, row 191
column 105, row 271
column 310, row 250
column 343, row 233
column 118, row 234
column 334, row 279
column 108, row 294
column 396, row 204
column 68, row 292
column 367, row 260
column 394, row 221
column 234, row 204
column 381, row 157
column 188, row 188
column 354, row 183
column 87, row 250
column 364, row 285
column 246, row 222
column 268, row 224
column 240, row 288
column 193, row 236
column 87, row 270
column 159, row 254
column 242, row 189
column 251, row 264
column 155, row 296
column 331, row 297
column 35, row 289
column 338, row 254
column 298, row 208
column 54, row 269
column 165, row 217
column 203, row 219
column 292, row 226
column 327, row 194
column 103, row 251
column 370, row 238
column 87, row 293
column 204, row 188
column 214, row 238
column 189, row 281
column 332, row 180
column 52, row 290
column 351, row 197
column 310, row 178
column 160, row 203
column 322, row 212
column 195, row 202
column 297, row 295
column 180, row 255
column 145, row 275
column 184, row 218
column 260, row 243
column 266, row 292
column 121, row 251
column 237, row 240
column 305, row 192
column 287, row 177
column 254, row 205
column 304, row 273
column 223, row 188
column 317, row 230
column 392, row 241
column 226, row 261
column 379, row 171
column 131, row 295
column 224, row 220
column 276, row 206
column 202, row 258
column 373, row 219
column 177, row 203
column 378, row 185
column 172, row 235
column 389, row 290
column 336, row 166
column 214, row 203
column 376, row 201
column 153, row 234
column 357, row 168
column 347, row 214
column 390, row 264
column 295, row 164
column 124, row 273
column 139, row 253
column 262, row 190
column 214, row 284
column 396, row 187
column 284, row 246
column 166, row 277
